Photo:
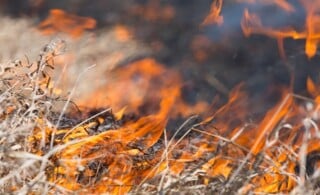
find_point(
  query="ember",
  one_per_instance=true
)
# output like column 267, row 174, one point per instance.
column 155, row 113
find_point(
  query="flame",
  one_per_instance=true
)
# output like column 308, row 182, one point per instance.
column 214, row 16
column 251, row 24
column 140, row 83
column 113, row 151
column 59, row 21
column 123, row 34
column 132, row 85
column 115, row 160
column 113, row 154
column 266, row 153
column 217, row 166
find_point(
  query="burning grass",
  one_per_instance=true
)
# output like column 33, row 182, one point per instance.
column 47, row 150
column 48, row 147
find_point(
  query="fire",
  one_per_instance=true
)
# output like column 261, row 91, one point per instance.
column 139, row 85
column 123, row 141
column 59, row 21
column 214, row 16
column 124, row 154
column 123, row 33
column 251, row 24
column 132, row 85
column 118, row 158
column 112, row 155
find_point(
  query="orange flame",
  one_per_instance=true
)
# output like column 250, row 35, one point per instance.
column 214, row 16
column 118, row 158
column 123, row 34
column 251, row 24
column 115, row 160
column 59, row 21
column 139, row 83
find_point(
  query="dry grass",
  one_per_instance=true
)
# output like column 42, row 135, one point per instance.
column 27, row 98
